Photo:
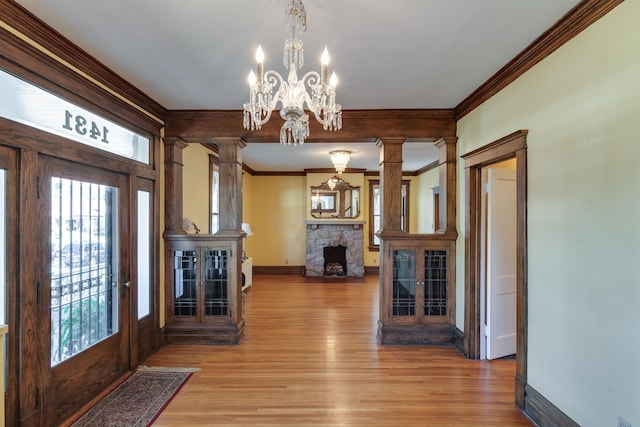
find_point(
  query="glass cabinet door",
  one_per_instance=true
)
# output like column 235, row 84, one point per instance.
column 185, row 270
column 404, row 283
column 435, row 283
column 201, row 288
column 216, row 300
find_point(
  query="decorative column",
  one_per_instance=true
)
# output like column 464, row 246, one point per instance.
column 391, row 183
column 447, row 173
column 230, row 168
column 173, row 184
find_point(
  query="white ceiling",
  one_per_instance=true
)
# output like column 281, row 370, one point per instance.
column 196, row 54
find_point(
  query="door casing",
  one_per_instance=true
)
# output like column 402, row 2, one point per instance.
column 513, row 145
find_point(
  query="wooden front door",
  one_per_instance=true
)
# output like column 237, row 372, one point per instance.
column 85, row 297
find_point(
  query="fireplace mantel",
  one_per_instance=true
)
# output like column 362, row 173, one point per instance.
column 313, row 224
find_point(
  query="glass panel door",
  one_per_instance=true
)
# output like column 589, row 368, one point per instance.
column 144, row 331
column 435, row 283
column 185, row 271
column 84, row 266
column 404, row 283
column 216, row 301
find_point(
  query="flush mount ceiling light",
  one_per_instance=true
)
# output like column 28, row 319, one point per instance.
column 315, row 90
column 340, row 158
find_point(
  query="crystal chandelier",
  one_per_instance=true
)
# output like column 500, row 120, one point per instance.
column 340, row 158
column 315, row 90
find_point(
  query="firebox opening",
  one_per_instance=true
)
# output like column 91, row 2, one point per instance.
column 335, row 260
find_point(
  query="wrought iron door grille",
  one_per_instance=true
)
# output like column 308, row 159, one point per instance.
column 83, row 302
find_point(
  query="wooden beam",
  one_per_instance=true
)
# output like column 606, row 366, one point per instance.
column 358, row 126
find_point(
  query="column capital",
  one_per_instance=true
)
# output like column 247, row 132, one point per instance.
column 174, row 141
column 395, row 140
column 230, row 141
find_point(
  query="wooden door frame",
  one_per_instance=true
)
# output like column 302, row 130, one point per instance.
column 9, row 162
column 146, row 328
column 511, row 146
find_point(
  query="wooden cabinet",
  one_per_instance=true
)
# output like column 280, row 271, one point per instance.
column 417, row 304
column 202, row 290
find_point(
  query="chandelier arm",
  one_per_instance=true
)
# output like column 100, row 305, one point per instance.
column 311, row 79
column 322, row 103
column 272, row 77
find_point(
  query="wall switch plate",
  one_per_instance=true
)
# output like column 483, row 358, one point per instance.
column 623, row 423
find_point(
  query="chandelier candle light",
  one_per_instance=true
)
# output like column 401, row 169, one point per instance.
column 315, row 90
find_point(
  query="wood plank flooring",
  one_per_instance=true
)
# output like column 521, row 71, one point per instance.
column 310, row 357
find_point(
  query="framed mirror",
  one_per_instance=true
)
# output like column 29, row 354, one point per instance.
column 335, row 198
column 323, row 201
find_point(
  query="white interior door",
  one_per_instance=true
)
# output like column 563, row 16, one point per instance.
column 501, row 263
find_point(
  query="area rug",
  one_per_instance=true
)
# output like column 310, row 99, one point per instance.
column 138, row 400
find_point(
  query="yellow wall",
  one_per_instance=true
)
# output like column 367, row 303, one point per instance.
column 424, row 201
column 581, row 108
column 248, row 212
column 195, row 184
column 276, row 210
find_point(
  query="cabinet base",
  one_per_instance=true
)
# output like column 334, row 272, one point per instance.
column 219, row 334
column 416, row 335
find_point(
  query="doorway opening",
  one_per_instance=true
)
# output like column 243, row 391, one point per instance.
column 509, row 147
column 498, row 260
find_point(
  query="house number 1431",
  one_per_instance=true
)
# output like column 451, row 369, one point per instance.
column 81, row 126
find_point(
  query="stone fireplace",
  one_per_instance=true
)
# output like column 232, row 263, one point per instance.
column 331, row 234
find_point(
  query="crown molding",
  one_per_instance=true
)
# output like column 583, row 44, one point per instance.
column 573, row 23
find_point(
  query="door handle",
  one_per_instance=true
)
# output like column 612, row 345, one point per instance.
column 127, row 284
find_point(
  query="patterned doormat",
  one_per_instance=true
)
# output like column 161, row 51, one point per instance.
column 139, row 399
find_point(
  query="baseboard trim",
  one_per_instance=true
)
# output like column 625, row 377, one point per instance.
column 543, row 412
column 292, row 270
column 298, row 270
column 372, row 270
column 460, row 342
column 163, row 336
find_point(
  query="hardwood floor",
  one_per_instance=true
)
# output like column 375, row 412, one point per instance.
column 310, row 357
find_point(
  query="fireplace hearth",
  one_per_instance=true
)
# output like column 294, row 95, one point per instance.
column 335, row 249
